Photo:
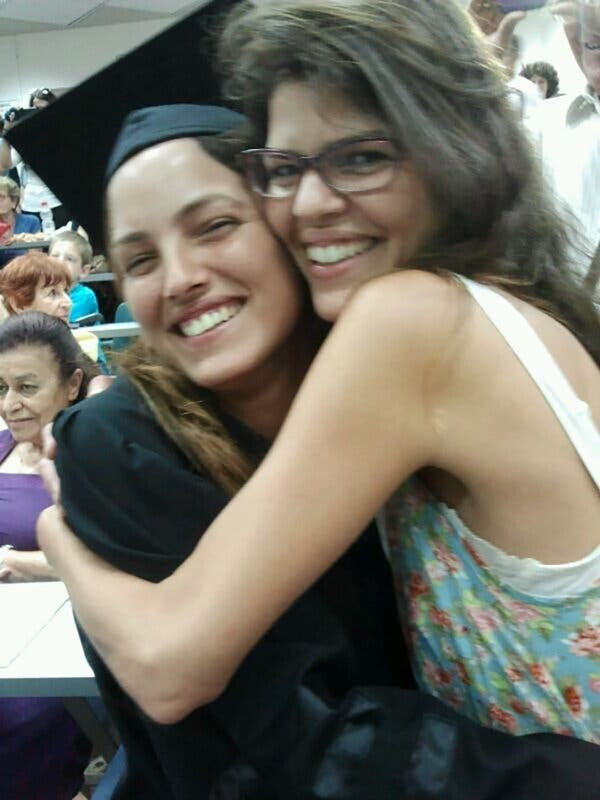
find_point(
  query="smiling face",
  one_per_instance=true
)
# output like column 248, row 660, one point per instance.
column 7, row 204
column 340, row 240
column 542, row 85
column 31, row 390
column 200, row 270
column 53, row 300
column 69, row 254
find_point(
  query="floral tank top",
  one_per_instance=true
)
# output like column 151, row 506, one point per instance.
column 522, row 660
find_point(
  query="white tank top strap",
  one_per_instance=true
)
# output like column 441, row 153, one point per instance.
column 573, row 414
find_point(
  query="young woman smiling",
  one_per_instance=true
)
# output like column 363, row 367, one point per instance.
column 408, row 156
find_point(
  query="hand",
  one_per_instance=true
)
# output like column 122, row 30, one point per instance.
column 46, row 467
column 567, row 12
column 99, row 384
column 497, row 27
column 19, row 566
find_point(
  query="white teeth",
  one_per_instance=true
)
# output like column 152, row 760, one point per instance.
column 209, row 320
column 337, row 252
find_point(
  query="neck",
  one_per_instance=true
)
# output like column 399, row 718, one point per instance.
column 29, row 453
column 262, row 404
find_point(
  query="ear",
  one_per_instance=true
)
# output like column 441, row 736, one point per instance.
column 74, row 385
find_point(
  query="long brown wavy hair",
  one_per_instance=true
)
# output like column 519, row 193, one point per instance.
column 422, row 67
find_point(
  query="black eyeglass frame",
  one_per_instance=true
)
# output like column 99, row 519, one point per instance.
column 313, row 162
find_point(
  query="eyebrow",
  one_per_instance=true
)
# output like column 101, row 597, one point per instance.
column 378, row 133
column 194, row 205
column 26, row 376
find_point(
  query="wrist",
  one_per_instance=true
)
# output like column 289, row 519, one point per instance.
column 4, row 550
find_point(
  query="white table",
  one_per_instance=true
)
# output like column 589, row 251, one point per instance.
column 113, row 330
column 52, row 663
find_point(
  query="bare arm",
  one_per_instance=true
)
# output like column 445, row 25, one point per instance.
column 6, row 159
column 360, row 425
column 26, row 565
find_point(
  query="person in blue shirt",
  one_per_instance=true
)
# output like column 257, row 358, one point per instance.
column 76, row 252
column 19, row 222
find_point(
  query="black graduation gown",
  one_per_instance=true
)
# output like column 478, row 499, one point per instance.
column 324, row 706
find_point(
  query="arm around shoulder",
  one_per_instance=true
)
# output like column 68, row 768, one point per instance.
column 359, row 427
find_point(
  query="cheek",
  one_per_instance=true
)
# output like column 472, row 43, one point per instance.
column 143, row 300
column 278, row 214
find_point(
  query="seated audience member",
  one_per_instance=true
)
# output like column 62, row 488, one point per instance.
column 498, row 28
column 75, row 251
column 35, row 191
column 18, row 222
column 566, row 133
column 36, row 282
column 544, row 76
column 43, row 753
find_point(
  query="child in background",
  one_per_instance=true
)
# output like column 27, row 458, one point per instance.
column 76, row 252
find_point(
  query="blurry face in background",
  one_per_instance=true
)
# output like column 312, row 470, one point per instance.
column 590, row 36
column 69, row 254
column 542, row 85
column 32, row 391
column 38, row 102
column 53, row 300
column 7, row 204
column 339, row 240
column 201, row 272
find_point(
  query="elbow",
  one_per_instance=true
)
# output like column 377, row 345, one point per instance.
column 170, row 707
column 165, row 689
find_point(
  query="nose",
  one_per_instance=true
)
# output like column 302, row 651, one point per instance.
column 315, row 198
column 65, row 301
column 185, row 268
column 12, row 400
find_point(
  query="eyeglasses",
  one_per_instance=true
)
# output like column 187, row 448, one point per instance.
column 353, row 165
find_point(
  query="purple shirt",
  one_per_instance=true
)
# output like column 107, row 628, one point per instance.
column 42, row 750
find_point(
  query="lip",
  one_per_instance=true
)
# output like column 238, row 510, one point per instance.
column 320, row 238
column 331, row 272
column 13, row 422
column 198, row 309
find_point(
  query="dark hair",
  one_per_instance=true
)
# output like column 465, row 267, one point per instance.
column 544, row 70
column 422, row 68
column 39, row 329
column 41, row 94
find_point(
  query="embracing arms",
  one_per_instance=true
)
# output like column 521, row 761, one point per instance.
column 361, row 424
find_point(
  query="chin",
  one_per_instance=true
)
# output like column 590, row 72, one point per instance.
column 329, row 305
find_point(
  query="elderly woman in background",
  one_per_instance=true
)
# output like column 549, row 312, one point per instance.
column 14, row 221
column 36, row 282
column 42, row 371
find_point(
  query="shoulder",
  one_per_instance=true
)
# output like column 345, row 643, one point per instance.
column 407, row 306
column 6, row 443
column 28, row 223
column 116, row 414
column 550, row 117
column 88, row 341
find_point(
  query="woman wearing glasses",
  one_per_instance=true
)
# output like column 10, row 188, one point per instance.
column 459, row 388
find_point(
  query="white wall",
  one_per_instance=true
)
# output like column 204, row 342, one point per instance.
column 64, row 58
column 543, row 39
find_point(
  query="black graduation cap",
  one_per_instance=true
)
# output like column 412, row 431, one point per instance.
column 68, row 143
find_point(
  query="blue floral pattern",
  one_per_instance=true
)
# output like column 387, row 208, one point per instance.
column 515, row 662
